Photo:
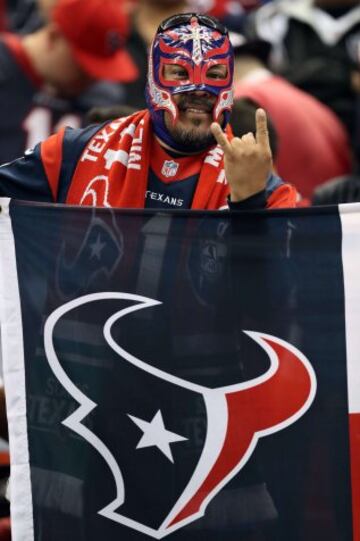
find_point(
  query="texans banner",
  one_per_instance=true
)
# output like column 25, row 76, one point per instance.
column 182, row 375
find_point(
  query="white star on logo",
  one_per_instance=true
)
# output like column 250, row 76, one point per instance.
column 97, row 248
column 156, row 435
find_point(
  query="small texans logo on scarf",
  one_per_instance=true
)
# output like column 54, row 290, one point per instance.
column 169, row 168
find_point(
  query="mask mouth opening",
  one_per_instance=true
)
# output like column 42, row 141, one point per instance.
column 193, row 102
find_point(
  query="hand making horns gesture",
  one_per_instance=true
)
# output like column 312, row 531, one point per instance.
column 247, row 159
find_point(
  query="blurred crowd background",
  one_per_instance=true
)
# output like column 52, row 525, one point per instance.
column 75, row 62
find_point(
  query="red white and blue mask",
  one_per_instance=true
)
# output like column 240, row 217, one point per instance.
column 196, row 43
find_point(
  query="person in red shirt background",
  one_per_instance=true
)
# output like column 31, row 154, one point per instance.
column 313, row 145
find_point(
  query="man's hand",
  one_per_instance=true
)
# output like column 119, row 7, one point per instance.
column 248, row 160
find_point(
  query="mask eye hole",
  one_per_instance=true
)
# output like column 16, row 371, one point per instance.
column 218, row 72
column 175, row 72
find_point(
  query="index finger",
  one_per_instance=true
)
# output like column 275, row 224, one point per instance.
column 262, row 134
column 220, row 136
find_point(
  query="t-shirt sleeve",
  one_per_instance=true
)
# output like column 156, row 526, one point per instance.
column 34, row 176
column 280, row 194
column 44, row 173
column 277, row 194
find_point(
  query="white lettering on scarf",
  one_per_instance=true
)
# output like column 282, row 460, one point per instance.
column 128, row 159
column 221, row 178
column 96, row 146
column 136, row 151
column 112, row 156
column 215, row 156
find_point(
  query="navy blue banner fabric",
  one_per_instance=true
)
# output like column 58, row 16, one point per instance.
column 185, row 374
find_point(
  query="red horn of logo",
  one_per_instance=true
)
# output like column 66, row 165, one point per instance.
column 255, row 411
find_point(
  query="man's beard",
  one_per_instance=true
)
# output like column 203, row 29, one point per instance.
column 191, row 138
column 194, row 138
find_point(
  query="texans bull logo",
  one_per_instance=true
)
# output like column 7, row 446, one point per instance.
column 237, row 416
column 98, row 256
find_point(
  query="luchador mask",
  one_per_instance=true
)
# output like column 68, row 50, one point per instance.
column 196, row 43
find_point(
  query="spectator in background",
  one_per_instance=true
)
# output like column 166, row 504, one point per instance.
column 144, row 21
column 344, row 189
column 313, row 145
column 339, row 190
column 226, row 8
column 21, row 16
column 316, row 47
column 46, row 77
column 5, row 532
column 231, row 12
column 2, row 16
column 98, row 115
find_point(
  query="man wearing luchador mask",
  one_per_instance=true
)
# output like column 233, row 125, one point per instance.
column 178, row 153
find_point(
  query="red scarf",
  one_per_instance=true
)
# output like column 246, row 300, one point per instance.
column 113, row 169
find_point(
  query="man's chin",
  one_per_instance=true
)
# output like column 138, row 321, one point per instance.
column 195, row 139
column 193, row 136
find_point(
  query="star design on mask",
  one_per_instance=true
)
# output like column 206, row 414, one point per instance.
column 96, row 248
column 156, row 435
